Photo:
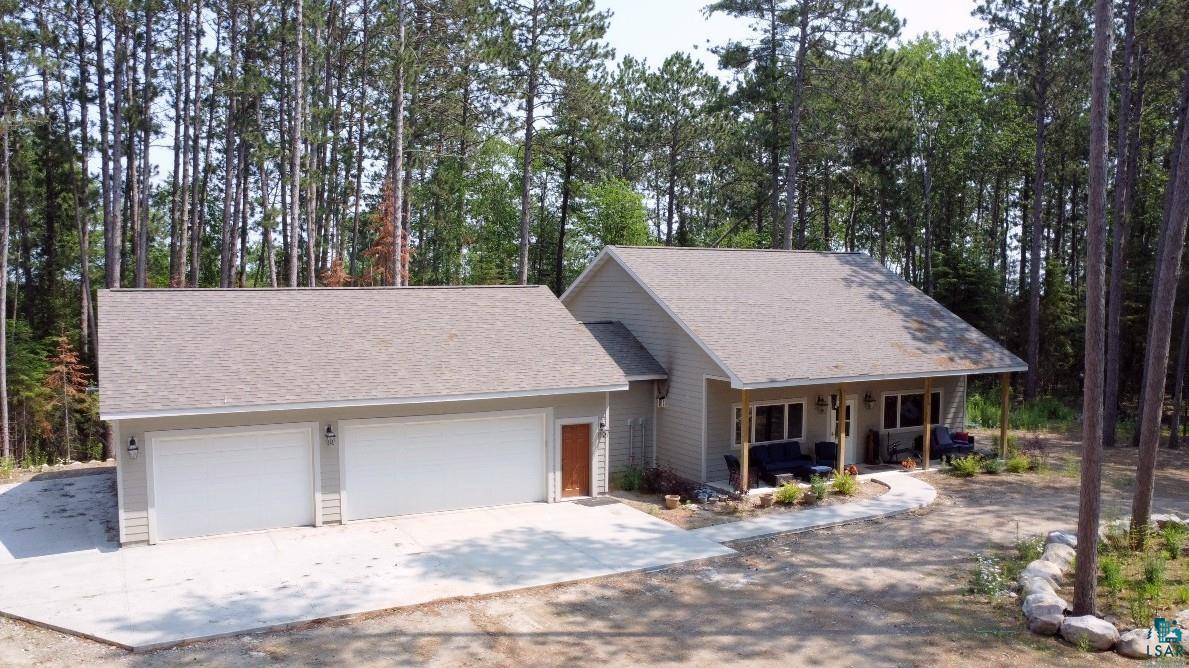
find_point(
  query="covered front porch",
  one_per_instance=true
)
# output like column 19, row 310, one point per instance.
column 758, row 438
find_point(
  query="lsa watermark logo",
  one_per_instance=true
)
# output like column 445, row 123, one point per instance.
column 1168, row 636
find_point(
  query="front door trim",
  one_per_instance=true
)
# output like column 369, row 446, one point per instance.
column 593, row 421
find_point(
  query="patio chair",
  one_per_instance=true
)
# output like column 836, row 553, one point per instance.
column 825, row 453
column 733, row 467
column 944, row 446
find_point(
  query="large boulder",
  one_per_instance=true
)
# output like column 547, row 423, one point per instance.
column 1045, row 625
column 1043, row 569
column 1034, row 585
column 1060, row 554
column 1063, row 538
column 1039, row 605
column 1098, row 634
column 1137, row 644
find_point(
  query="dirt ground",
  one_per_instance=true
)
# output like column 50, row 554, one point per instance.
column 694, row 515
column 887, row 592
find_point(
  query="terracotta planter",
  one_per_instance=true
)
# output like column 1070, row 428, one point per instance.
column 672, row 501
column 766, row 500
column 810, row 498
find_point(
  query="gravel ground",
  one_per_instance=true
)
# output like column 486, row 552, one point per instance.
column 886, row 592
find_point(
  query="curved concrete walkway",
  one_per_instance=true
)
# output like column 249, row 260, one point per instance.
column 905, row 492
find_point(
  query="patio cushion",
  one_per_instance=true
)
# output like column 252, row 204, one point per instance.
column 771, row 459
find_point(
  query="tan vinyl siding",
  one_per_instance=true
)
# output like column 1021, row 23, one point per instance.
column 610, row 294
column 133, row 480
column 631, row 426
column 721, row 399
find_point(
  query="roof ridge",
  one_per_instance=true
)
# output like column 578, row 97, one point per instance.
column 750, row 250
column 345, row 288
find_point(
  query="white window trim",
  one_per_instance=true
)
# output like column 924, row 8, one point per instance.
column 898, row 393
column 770, row 402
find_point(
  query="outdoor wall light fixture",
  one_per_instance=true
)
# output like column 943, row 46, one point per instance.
column 133, row 448
column 331, row 437
column 868, row 400
column 602, row 427
column 821, row 404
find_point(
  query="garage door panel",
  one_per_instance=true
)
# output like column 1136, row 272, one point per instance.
column 397, row 468
column 223, row 482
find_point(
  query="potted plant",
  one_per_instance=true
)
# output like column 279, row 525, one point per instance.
column 672, row 501
column 766, row 500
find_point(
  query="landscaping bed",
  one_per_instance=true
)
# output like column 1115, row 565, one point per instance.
column 694, row 515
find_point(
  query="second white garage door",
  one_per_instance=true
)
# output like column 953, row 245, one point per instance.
column 427, row 464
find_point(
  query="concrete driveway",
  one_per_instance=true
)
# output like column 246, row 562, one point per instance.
column 59, row 566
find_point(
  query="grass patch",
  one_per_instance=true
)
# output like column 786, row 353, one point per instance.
column 1139, row 586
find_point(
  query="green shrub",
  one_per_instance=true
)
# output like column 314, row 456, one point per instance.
column 7, row 464
column 1174, row 537
column 846, row 484
column 629, row 479
column 993, row 465
column 788, row 494
column 1112, row 575
column 965, row 467
column 1142, row 611
column 1018, row 463
column 817, row 485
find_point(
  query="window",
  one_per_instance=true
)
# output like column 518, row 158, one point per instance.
column 903, row 410
column 774, row 421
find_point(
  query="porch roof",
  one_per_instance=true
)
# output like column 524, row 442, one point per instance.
column 774, row 318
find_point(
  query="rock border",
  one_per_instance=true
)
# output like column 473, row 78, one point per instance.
column 1047, row 613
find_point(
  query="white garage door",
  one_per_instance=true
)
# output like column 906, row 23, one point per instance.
column 397, row 467
column 212, row 481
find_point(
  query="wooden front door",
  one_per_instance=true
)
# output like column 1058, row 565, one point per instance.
column 575, row 459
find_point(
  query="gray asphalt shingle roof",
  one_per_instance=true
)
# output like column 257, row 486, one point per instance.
column 632, row 357
column 171, row 351
column 779, row 317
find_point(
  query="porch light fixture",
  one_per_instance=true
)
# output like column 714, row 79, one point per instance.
column 331, row 437
column 602, row 427
column 821, row 404
column 133, row 448
column 868, row 400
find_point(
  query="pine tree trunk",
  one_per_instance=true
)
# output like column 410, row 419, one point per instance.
column 1178, row 396
column 398, row 162
column 1160, row 331
column 1041, row 84
column 1090, row 497
column 526, row 176
column 1119, row 224
column 794, row 212
column 291, row 257
column 5, row 445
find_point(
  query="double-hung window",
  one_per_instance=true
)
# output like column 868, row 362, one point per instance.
column 774, row 421
column 903, row 410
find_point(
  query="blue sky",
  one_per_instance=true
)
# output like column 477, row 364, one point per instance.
column 653, row 29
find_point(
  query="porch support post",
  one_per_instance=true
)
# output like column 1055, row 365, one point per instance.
column 1004, row 412
column 744, row 441
column 928, row 436
column 840, row 430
